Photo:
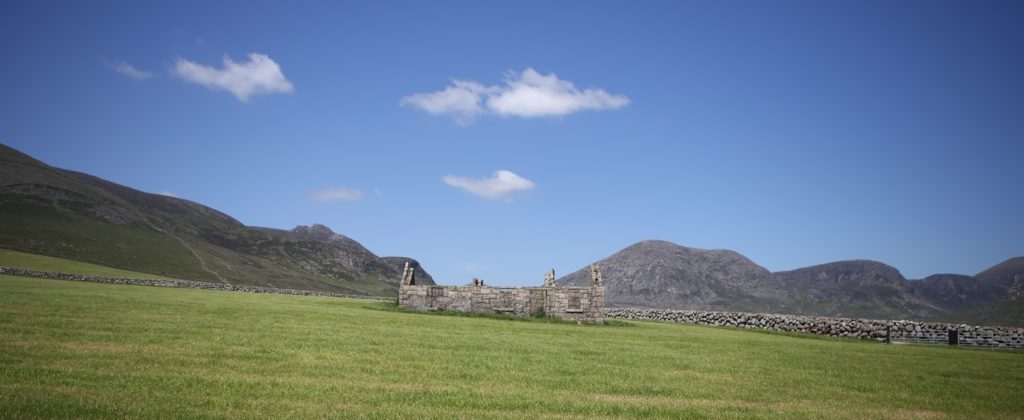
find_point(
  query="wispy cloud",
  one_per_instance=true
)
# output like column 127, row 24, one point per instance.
column 527, row 94
column 168, row 194
column 462, row 101
column 332, row 194
column 259, row 75
column 499, row 185
column 128, row 70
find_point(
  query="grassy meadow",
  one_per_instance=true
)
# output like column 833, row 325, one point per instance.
column 24, row 260
column 70, row 349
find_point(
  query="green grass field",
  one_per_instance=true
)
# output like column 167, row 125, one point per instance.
column 9, row 258
column 70, row 349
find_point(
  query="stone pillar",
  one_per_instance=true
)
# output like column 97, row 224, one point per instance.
column 549, row 278
column 408, row 275
column 595, row 276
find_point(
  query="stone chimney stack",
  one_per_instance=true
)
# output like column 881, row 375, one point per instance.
column 408, row 275
column 595, row 276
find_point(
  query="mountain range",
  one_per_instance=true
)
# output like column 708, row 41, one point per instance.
column 70, row 214
column 660, row 274
column 63, row 213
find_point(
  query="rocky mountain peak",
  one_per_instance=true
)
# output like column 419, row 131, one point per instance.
column 655, row 273
column 316, row 231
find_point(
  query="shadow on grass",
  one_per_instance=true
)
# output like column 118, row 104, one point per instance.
column 393, row 307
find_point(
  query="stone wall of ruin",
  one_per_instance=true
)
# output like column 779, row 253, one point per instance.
column 583, row 304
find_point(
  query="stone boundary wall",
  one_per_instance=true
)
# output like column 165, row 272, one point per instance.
column 178, row 283
column 864, row 329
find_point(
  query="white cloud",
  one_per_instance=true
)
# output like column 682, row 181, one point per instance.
column 528, row 94
column 462, row 100
column 168, row 194
column 336, row 194
column 260, row 75
column 128, row 70
column 531, row 94
column 499, row 186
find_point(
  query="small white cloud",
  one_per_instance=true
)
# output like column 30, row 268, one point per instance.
column 499, row 186
column 336, row 194
column 128, row 70
column 528, row 94
column 531, row 94
column 260, row 75
column 168, row 194
column 462, row 101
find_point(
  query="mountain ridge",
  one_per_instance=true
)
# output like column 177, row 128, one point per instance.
column 70, row 214
column 657, row 273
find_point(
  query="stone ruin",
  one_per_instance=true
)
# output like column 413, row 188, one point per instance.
column 581, row 304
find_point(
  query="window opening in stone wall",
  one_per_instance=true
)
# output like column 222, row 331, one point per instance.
column 574, row 302
column 436, row 291
column 505, row 301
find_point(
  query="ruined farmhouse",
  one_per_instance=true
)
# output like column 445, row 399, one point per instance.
column 582, row 304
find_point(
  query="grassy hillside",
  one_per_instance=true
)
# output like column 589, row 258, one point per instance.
column 73, row 215
column 72, row 349
column 1008, row 312
column 16, row 259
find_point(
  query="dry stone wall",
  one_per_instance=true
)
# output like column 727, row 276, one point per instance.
column 177, row 283
column 866, row 329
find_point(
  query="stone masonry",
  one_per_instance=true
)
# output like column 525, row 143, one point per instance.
column 582, row 304
column 886, row 331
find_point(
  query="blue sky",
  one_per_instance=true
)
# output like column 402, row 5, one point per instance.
column 497, row 140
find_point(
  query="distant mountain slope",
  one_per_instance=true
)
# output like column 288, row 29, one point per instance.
column 663, row 274
column 1006, row 278
column 955, row 292
column 856, row 288
column 421, row 275
column 1004, row 275
column 74, row 215
column 1007, row 312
